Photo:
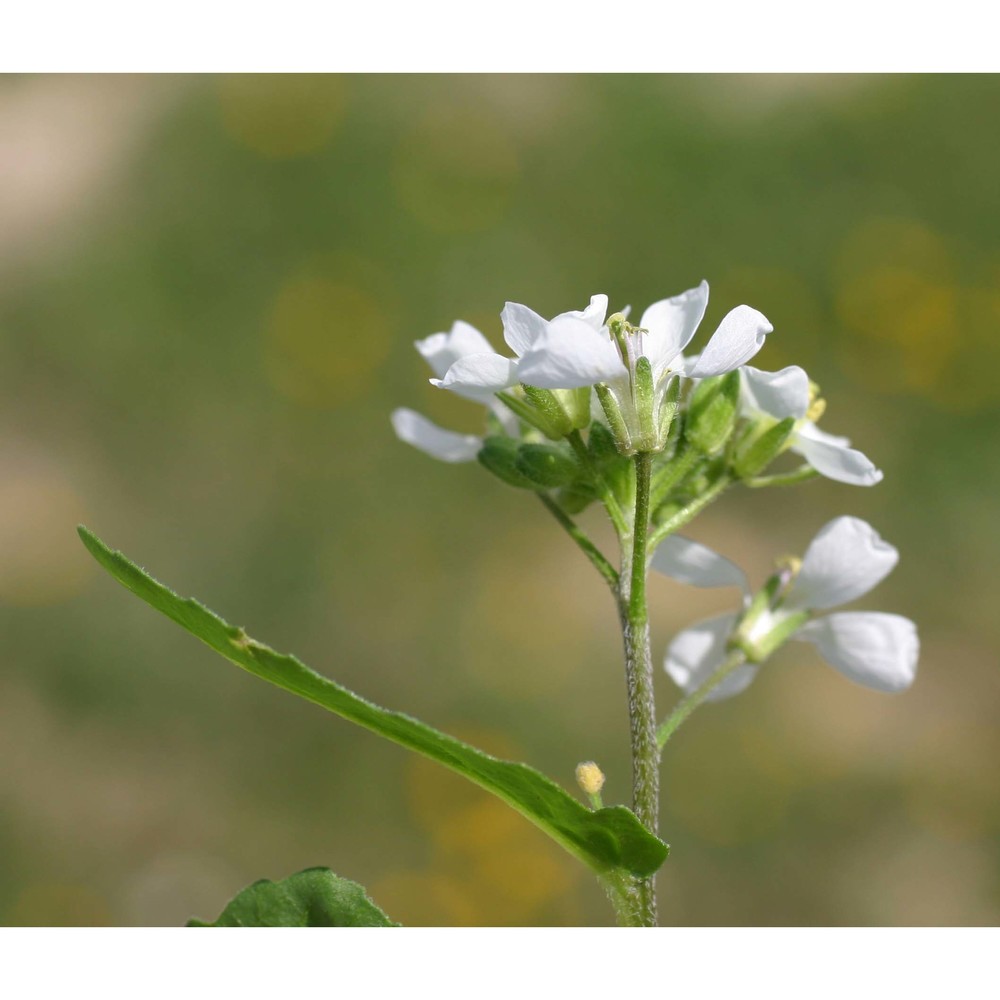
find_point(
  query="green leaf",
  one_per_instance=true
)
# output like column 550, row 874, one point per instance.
column 313, row 898
column 608, row 840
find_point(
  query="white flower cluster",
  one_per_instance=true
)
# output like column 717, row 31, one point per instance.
column 585, row 368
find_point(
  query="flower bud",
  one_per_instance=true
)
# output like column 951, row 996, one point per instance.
column 547, row 465
column 590, row 778
column 755, row 455
column 555, row 418
column 499, row 455
column 712, row 413
column 616, row 421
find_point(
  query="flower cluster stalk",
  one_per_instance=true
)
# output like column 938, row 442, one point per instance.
column 690, row 512
column 591, row 407
column 639, row 677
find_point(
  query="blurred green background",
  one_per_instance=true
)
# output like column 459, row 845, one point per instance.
column 209, row 290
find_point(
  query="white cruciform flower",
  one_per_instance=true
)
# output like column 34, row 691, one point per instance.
column 786, row 393
column 441, row 351
column 845, row 560
column 570, row 355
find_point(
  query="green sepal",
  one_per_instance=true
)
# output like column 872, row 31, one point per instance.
column 616, row 421
column 575, row 403
column 712, row 413
column 555, row 417
column 531, row 415
column 609, row 841
column 311, row 898
column 547, row 465
column 757, row 453
column 643, row 383
column 499, row 455
column 668, row 410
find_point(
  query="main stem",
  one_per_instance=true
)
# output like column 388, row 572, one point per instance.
column 639, row 678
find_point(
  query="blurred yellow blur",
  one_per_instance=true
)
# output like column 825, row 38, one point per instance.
column 324, row 341
column 282, row 116
column 454, row 171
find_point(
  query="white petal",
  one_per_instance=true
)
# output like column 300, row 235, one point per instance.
column 416, row 429
column 697, row 651
column 874, row 649
column 595, row 313
column 671, row 323
column 831, row 457
column 521, row 327
column 569, row 355
column 479, row 376
column 845, row 560
column 777, row 394
column 442, row 350
column 740, row 336
column 696, row 564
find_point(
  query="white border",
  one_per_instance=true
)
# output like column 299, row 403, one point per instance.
column 675, row 964
column 514, row 36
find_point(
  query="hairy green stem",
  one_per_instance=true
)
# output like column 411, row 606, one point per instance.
column 590, row 550
column 686, row 706
column 641, row 896
column 688, row 513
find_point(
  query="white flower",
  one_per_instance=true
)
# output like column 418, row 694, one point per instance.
column 478, row 372
column 845, row 560
column 441, row 351
column 777, row 395
column 569, row 354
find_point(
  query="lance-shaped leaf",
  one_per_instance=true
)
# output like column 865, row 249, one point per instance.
column 312, row 898
column 610, row 840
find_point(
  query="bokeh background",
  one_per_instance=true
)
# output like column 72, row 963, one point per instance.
column 209, row 290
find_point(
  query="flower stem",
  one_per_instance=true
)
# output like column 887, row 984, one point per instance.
column 590, row 550
column 688, row 513
column 685, row 707
column 639, row 678
column 799, row 475
column 671, row 474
